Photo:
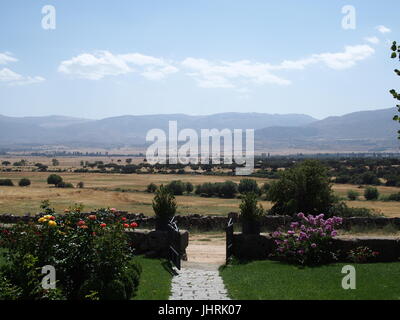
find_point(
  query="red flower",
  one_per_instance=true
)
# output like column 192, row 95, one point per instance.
column 103, row 225
column 92, row 217
column 123, row 219
column 134, row 225
column 81, row 223
column 126, row 225
column 93, row 234
column 52, row 218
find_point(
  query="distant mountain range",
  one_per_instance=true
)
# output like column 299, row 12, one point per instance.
column 360, row 131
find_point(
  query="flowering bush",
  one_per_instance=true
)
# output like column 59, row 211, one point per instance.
column 307, row 242
column 362, row 255
column 91, row 255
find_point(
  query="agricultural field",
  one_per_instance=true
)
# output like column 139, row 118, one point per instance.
column 127, row 192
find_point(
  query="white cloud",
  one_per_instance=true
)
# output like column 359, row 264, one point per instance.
column 7, row 76
column 225, row 74
column 373, row 40
column 12, row 78
column 207, row 74
column 347, row 58
column 6, row 58
column 383, row 29
column 95, row 66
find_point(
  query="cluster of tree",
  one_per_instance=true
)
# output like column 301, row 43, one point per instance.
column 307, row 188
column 176, row 187
column 24, row 182
column 58, row 182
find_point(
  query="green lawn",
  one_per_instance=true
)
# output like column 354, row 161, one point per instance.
column 269, row 280
column 155, row 280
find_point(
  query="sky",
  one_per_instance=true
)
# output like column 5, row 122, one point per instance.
column 97, row 58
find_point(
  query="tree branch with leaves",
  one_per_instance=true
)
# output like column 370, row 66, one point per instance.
column 396, row 54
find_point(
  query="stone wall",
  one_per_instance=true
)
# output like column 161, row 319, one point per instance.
column 210, row 223
column 253, row 247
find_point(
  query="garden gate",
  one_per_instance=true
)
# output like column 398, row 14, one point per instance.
column 174, row 248
column 229, row 240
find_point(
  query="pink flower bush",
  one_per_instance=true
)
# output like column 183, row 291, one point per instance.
column 307, row 242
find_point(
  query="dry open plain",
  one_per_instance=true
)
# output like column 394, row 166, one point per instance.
column 127, row 192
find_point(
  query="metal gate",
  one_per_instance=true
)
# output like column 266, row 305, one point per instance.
column 229, row 240
column 174, row 248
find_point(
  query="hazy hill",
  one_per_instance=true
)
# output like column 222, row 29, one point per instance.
column 359, row 131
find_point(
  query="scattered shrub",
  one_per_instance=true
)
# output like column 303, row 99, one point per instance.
column 248, row 186
column 176, row 187
column 24, row 182
column 54, row 179
column 80, row 185
column 352, row 195
column 189, row 187
column 371, row 193
column 341, row 209
column 6, row 182
column 394, row 197
column 151, row 188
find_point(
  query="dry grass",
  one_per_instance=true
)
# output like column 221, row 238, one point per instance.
column 100, row 192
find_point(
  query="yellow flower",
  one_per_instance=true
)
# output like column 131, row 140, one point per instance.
column 47, row 216
column 42, row 220
column 52, row 223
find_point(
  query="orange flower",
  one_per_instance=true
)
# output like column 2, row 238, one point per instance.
column 126, row 225
column 92, row 217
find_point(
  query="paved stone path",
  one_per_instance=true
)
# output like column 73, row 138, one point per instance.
column 198, row 281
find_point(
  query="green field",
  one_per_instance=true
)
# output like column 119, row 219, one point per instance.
column 155, row 280
column 269, row 280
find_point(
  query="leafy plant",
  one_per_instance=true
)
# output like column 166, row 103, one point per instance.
column 164, row 203
column 352, row 195
column 304, row 188
column 371, row 193
column 249, row 208
column 307, row 242
column 396, row 54
column 362, row 255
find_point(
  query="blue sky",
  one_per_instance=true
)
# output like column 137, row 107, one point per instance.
column 111, row 58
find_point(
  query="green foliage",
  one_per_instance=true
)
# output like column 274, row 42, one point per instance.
column 92, row 256
column 394, row 197
column 176, row 187
column 164, row 203
column 227, row 189
column 151, row 188
column 396, row 53
column 66, row 185
column 249, row 208
column 341, row 209
column 371, row 194
column 6, row 182
column 24, row 182
column 352, row 195
column 54, row 179
column 189, row 187
column 80, row 185
column 248, row 186
column 303, row 188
